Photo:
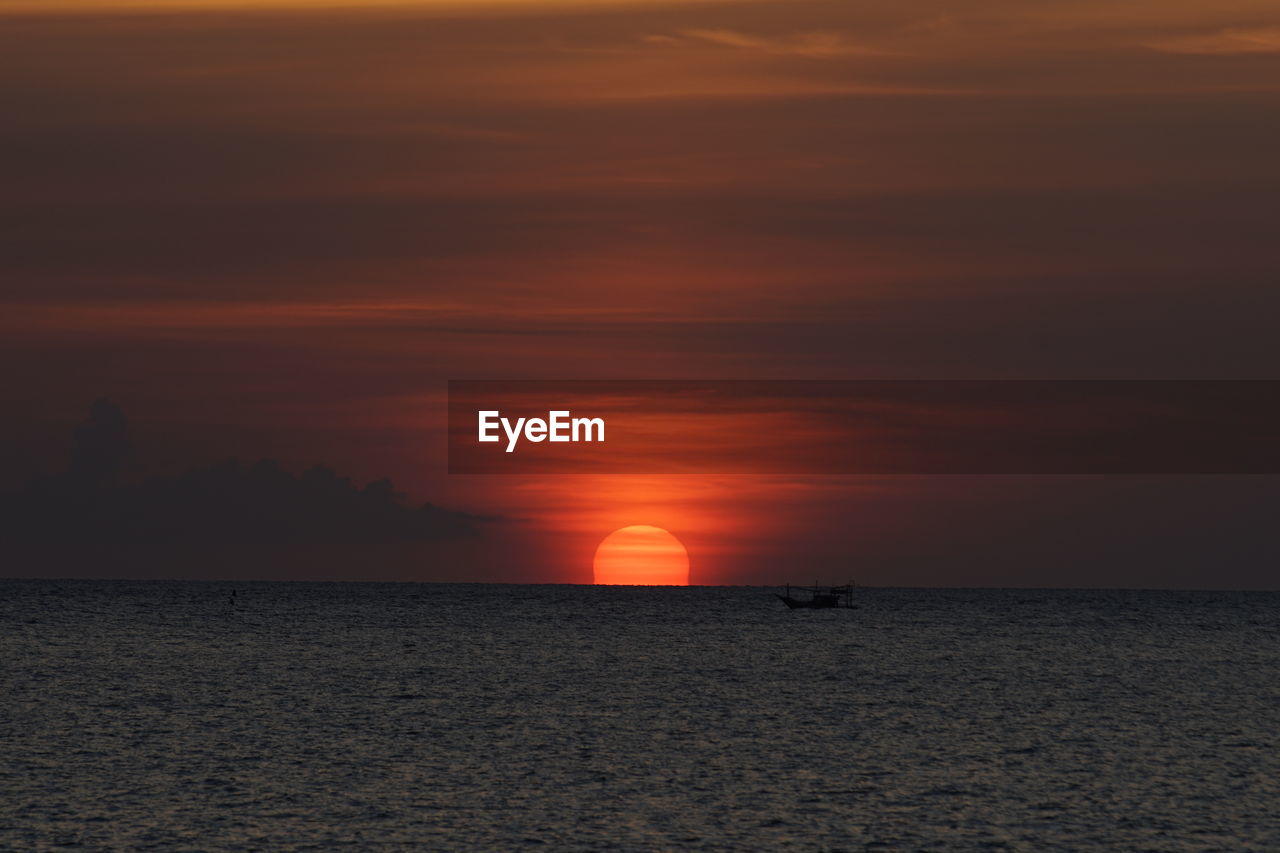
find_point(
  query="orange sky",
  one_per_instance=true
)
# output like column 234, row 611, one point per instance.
column 279, row 228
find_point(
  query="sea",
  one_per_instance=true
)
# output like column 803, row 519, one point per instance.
column 283, row 716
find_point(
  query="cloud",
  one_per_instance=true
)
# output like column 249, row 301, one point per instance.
column 229, row 503
column 452, row 8
column 101, row 446
column 816, row 44
column 1226, row 42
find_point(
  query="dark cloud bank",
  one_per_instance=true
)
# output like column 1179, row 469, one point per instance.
column 94, row 520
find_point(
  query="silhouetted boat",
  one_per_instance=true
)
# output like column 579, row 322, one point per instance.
column 817, row 597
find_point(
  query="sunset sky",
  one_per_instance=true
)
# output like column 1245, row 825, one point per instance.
column 278, row 228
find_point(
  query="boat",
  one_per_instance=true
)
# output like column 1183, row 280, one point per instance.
column 817, row 597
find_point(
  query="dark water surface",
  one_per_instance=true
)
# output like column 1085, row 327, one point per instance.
column 491, row 717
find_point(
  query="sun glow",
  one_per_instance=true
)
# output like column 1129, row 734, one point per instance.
column 641, row 555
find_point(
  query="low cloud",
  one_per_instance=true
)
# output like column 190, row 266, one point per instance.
column 230, row 503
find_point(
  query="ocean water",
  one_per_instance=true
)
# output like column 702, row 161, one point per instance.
column 386, row 716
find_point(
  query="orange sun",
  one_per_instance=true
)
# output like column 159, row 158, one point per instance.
column 641, row 555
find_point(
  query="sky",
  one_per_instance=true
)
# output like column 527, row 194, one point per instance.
column 277, row 229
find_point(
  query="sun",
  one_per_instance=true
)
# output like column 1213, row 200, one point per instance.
column 641, row 555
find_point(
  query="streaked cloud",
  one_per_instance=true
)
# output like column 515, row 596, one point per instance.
column 453, row 8
column 817, row 44
column 1226, row 42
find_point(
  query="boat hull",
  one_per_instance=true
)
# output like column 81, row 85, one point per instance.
column 815, row 603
